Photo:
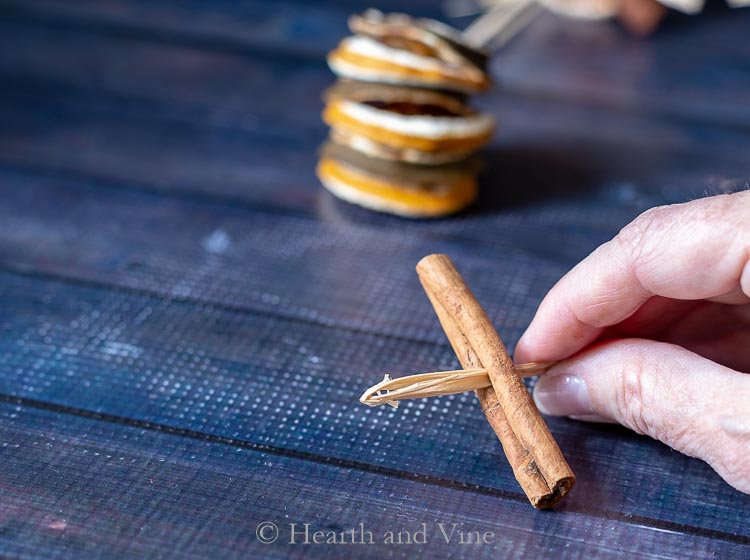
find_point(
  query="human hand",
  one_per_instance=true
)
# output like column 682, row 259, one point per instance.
column 654, row 332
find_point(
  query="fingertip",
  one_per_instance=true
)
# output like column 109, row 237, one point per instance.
column 552, row 342
column 555, row 333
column 539, row 343
column 523, row 352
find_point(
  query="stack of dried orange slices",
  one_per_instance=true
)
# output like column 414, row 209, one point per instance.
column 402, row 132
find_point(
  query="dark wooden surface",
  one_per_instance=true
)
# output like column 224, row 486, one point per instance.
column 187, row 319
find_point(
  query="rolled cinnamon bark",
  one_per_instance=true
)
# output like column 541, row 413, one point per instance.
column 538, row 463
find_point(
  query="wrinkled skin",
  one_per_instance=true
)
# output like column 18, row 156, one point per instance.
column 653, row 330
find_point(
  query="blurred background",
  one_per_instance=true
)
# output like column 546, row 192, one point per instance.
column 223, row 99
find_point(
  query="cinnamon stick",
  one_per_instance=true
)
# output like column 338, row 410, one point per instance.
column 537, row 462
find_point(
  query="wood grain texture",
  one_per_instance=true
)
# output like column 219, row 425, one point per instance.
column 217, row 372
column 247, row 259
column 86, row 485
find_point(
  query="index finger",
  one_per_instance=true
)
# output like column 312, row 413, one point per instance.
column 696, row 250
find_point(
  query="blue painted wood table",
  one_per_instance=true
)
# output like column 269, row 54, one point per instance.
column 187, row 318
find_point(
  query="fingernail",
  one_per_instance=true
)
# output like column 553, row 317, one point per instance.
column 562, row 395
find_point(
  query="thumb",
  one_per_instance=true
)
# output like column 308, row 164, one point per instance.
column 688, row 402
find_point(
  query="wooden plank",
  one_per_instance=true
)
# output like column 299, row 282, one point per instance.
column 558, row 159
column 220, row 125
column 81, row 485
column 694, row 68
column 288, row 389
column 339, row 273
column 174, row 155
column 228, row 89
column 695, row 71
column 243, row 157
column 239, row 258
column 291, row 27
